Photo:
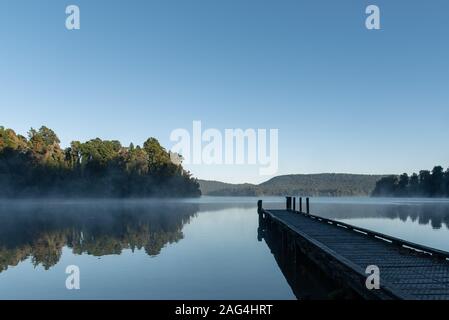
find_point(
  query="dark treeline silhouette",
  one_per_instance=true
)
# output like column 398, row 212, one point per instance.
column 38, row 166
column 427, row 183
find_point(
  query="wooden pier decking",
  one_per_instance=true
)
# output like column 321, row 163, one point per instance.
column 343, row 252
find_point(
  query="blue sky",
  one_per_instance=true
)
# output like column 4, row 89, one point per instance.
column 344, row 98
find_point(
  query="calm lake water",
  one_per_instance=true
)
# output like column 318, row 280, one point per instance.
column 204, row 248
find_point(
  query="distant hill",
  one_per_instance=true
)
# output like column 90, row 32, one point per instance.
column 323, row 184
column 210, row 187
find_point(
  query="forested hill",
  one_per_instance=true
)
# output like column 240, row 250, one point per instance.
column 210, row 187
column 324, row 184
column 37, row 166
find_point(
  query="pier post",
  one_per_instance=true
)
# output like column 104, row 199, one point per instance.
column 288, row 204
column 259, row 206
column 307, row 206
column 300, row 204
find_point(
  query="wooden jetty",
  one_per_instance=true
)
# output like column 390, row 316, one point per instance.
column 343, row 252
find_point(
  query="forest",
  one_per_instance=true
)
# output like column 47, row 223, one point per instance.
column 37, row 166
column 426, row 183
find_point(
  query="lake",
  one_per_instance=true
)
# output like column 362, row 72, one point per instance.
column 205, row 248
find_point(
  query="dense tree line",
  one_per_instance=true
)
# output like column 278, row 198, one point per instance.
column 37, row 166
column 427, row 183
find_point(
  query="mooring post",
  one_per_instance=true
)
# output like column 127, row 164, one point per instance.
column 300, row 204
column 261, row 228
column 307, row 206
column 288, row 204
column 294, row 203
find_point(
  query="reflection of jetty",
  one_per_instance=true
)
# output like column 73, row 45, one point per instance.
column 343, row 253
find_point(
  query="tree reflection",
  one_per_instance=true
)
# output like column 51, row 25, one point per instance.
column 434, row 213
column 41, row 231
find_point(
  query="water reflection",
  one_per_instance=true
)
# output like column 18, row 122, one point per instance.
column 42, row 230
column 115, row 243
column 435, row 213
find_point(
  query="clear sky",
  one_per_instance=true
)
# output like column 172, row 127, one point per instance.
column 344, row 98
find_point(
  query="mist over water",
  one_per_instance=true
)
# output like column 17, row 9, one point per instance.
column 423, row 221
column 178, row 249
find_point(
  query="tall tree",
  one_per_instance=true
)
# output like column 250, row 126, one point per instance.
column 158, row 157
column 437, row 181
column 9, row 139
column 386, row 186
column 403, row 184
column 414, row 185
column 446, row 182
column 44, row 147
column 425, row 182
